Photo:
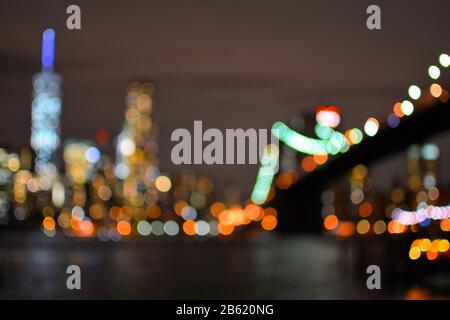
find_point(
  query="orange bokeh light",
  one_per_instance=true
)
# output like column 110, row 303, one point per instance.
column 114, row 212
column 436, row 90
column 189, row 227
column 308, row 164
column 75, row 224
column 345, row 229
column 123, row 228
column 225, row 229
column 365, row 209
column 217, row 208
column 153, row 211
column 432, row 255
column 320, row 159
column 269, row 222
column 253, row 212
column 397, row 109
column 179, row 205
column 236, row 216
column 331, row 222
column 445, row 225
column 395, row 227
column 270, row 212
column 49, row 223
column 284, row 181
column 86, row 227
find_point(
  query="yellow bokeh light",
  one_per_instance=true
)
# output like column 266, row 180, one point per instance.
column 444, row 245
column 13, row 164
column 425, row 245
column 414, row 253
column 363, row 227
column 379, row 227
column 163, row 183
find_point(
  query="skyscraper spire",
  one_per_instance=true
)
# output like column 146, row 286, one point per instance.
column 46, row 107
column 48, row 50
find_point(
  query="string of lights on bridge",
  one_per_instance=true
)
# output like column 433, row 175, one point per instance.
column 331, row 142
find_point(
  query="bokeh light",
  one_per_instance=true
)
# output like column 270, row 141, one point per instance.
column 331, row 222
column 434, row 72
column 444, row 60
column 407, row 108
column 124, row 228
column 435, row 90
column 371, row 127
column 163, row 183
column 414, row 92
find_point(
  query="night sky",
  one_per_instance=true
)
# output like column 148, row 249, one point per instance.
column 231, row 64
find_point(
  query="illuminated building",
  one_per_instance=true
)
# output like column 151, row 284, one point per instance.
column 136, row 158
column 422, row 174
column 424, row 196
column 350, row 209
column 414, row 170
column 79, row 159
column 9, row 164
column 46, row 107
column 362, row 198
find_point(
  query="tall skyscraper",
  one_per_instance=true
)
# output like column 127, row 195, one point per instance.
column 46, row 107
column 137, row 163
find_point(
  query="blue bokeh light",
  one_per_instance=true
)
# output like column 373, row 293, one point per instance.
column 92, row 155
column 48, row 49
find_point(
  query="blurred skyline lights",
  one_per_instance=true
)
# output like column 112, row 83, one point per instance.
column 423, row 213
column 131, row 196
column 430, row 249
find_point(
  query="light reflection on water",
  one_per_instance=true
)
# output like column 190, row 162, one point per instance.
column 266, row 267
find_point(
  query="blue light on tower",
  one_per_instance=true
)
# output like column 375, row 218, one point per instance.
column 46, row 107
column 48, row 49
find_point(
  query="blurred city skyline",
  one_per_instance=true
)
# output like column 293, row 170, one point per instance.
column 232, row 67
column 356, row 177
